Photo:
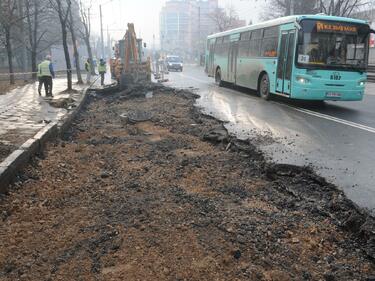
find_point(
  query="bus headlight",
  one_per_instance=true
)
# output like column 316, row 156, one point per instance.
column 302, row 80
column 362, row 83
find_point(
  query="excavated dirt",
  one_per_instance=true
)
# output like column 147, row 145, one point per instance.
column 150, row 189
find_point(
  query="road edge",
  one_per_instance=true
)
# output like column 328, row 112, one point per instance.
column 19, row 158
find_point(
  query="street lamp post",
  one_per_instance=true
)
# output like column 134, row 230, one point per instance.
column 101, row 31
column 291, row 7
column 101, row 27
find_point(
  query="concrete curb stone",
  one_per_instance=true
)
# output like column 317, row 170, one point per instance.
column 19, row 158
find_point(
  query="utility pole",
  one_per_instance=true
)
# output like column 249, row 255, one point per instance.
column 153, row 45
column 109, row 50
column 199, row 31
column 101, row 30
column 178, row 30
column 291, row 7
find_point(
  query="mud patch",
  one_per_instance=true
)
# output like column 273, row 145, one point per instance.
column 66, row 103
column 152, row 132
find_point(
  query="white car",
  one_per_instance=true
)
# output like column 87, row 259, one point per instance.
column 174, row 63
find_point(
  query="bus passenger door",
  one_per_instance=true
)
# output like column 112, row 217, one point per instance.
column 285, row 62
column 232, row 62
column 211, row 54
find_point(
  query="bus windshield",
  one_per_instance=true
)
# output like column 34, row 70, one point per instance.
column 333, row 45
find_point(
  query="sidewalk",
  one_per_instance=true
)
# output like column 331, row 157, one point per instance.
column 23, row 112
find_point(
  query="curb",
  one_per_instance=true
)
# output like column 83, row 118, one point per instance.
column 19, row 158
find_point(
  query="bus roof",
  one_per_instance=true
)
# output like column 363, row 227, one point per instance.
column 285, row 20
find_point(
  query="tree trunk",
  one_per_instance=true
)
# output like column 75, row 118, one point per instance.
column 34, row 67
column 76, row 54
column 10, row 55
column 287, row 7
column 67, row 56
column 35, row 40
column 63, row 16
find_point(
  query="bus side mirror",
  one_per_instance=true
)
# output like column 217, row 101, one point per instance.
column 144, row 45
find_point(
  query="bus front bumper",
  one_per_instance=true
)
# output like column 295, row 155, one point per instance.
column 336, row 94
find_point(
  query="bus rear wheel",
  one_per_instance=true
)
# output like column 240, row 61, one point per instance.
column 264, row 87
column 218, row 80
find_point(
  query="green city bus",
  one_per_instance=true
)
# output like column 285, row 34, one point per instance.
column 310, row 57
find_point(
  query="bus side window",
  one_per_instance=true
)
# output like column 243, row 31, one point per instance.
column 225, row 45
column 270, row 42
column 218, row 45
column 244, row 44
column 255, row 42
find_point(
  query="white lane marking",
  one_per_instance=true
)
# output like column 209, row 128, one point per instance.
column 313, row 113
column 193, row 78
column 334, row 119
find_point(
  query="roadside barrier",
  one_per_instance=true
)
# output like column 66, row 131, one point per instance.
column 30, row 72
column 28, row 75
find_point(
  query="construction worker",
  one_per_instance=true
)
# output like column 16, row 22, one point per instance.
column 45, row 74
column 88, row 70
column 102, row 69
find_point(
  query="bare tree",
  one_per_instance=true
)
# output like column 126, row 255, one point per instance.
column 282, row 8
column 8, row 18
column 225, row 19
column 85, row 32
column 33, row 14
column 343, row 8
column 41, row 31
column 74, row 40
column 63, row 10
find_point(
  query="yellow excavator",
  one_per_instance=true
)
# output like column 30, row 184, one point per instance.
column 129, row 65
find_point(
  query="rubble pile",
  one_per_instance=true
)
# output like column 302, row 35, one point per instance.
column 145, row 187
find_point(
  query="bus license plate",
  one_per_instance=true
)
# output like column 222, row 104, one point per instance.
column 333, row 95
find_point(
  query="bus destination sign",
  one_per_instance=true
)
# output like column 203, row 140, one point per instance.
column 335, row 27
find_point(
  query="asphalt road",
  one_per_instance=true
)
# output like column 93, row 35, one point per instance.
column 337, row 138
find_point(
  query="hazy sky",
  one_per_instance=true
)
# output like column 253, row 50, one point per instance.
column 145, row 15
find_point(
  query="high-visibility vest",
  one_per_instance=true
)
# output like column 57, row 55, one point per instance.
column 44, row 68
column 102, row 68
column 38, row 74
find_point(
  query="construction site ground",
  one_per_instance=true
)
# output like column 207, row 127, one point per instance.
column 145, row 187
